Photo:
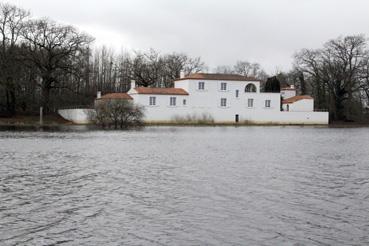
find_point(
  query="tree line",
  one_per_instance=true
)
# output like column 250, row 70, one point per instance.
column 336, row 75
column 45, row 63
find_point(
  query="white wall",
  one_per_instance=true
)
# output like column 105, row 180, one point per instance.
column 304, row 105
column 162, row 111
column 305, row 118
column 77, row 116
column 207, row 102
column 81, row 116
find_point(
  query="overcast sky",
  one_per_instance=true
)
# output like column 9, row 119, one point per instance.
column 220, row 31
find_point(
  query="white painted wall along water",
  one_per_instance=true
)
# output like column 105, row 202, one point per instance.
column 77, row 116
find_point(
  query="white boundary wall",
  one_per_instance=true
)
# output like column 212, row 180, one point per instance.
column 77, row 116
column 82, row 116
column 256, row 117
column 285, row 118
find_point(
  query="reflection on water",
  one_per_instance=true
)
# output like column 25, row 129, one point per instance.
column 48, row 128
column 185, row 186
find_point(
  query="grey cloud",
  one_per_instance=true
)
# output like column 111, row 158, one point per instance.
column 221, row 32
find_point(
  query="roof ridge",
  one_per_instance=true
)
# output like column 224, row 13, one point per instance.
column 161, row 90
column 116, row 95
column 296, row 98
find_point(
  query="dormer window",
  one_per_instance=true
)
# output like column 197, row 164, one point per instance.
column 201, row 86
column 223, row 86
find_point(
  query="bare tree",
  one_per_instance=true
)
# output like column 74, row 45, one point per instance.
column 118, row 114
column 12, row 21
column 224, row 70
column 43, row 63
column 153, row 69
column 124, row 75
column 194, row 65
column 334, row 72
column 244, row 68
column 249, row 69
column 176, row 63
column 53, row 49
column 147, row 68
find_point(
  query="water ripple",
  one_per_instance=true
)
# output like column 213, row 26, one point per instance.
column 185, row 186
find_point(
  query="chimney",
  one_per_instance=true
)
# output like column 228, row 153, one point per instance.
column 133, row 84
column 181, row 75
column 98, row 96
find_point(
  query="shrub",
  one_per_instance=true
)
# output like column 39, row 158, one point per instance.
column 118, row 114
column 204, row 118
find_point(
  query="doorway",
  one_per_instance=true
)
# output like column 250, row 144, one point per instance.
column 237, row 118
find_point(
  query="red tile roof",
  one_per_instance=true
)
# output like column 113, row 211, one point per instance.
column 295, row 99
column 218, row 76
column 116, row 96
column 161, row 91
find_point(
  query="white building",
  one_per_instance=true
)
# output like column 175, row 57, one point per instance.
column 224, row 98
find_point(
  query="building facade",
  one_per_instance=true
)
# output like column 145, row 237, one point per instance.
column 223, row 98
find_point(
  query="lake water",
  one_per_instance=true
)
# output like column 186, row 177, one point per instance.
column 185, row 186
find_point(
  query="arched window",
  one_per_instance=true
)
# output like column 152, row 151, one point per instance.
column 250, row 88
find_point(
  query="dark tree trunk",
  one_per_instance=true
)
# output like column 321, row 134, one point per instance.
column 302, row 84
column 338, row 112
column 10, row 98
column 45, row 98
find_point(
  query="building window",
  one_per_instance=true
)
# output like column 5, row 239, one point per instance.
column 184, row 102
column 250, row 103
column 237, row 93
column 223, row 86
column 250, row 88
column 223, row 102
column 267, row 103
column 152, row 101
column 173, row 101
column 201, row 85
